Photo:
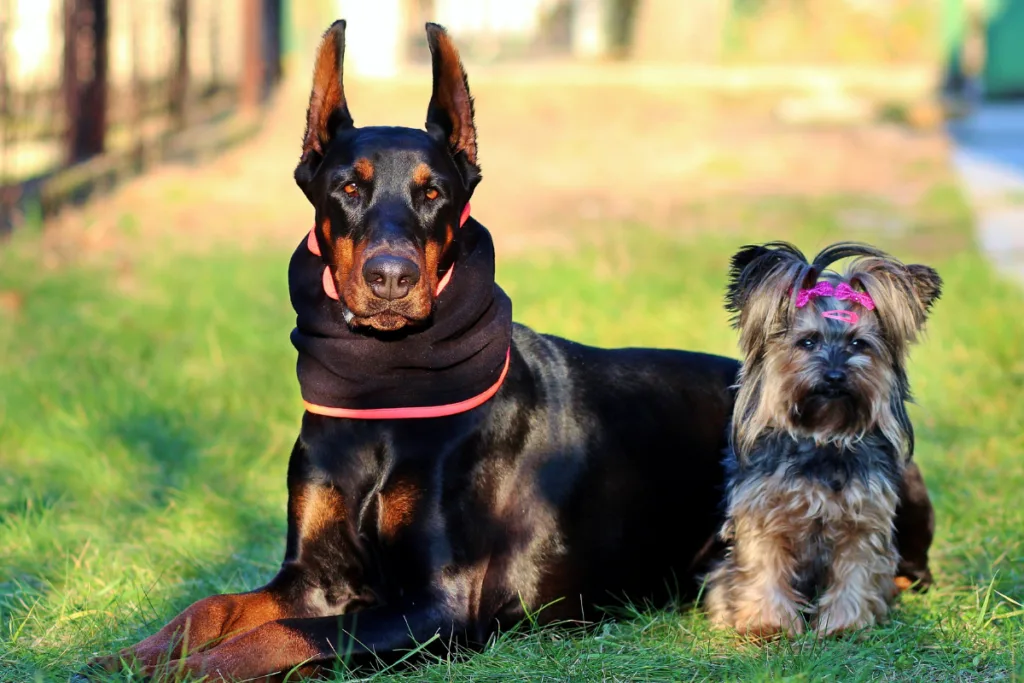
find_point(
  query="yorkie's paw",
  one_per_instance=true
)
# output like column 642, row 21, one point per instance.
column 839, row 619
column 767, row 619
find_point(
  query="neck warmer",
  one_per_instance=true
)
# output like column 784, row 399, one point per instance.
column 455, row 363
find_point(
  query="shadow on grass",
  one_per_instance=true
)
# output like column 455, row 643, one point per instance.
column 670, row 646
column 213, row 497
column 139, row 474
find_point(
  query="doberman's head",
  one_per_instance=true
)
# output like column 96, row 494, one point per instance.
column 388, row 200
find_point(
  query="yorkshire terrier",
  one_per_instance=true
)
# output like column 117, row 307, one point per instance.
column 819, row 439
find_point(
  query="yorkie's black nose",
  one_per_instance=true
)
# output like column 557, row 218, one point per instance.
column 390, row 277
column 835, row 377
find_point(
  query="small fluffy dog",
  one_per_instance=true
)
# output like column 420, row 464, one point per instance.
column 820, row 437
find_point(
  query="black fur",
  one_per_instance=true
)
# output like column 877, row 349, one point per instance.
column 827, row 464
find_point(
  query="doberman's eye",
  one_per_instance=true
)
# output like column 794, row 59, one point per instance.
column 351, row 190
column 431, row 194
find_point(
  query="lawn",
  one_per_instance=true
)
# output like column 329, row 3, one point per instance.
column 148, row 405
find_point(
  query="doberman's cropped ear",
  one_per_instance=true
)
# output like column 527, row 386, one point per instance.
column 328, row 110
column 450, row 113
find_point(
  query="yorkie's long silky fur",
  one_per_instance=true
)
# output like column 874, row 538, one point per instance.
column 819, row 439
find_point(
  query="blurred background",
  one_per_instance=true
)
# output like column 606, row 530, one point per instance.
column 148, row 401
column 96, row 91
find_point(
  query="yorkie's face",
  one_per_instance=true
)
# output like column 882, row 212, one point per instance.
column 834, row 373
column 824, row 353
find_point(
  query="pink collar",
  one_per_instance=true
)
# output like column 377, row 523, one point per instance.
column 332, row 291
column 412, row 413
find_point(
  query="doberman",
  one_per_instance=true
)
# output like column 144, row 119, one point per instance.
column 450, row 485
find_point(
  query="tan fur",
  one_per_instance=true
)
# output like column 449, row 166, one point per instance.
column 752, row 589
column 421, row 175
column 317, row 508
column 431, row 262
column 397, row 505
column 280, row 647
column 863, row 571
column 202, row 626
column 364, row 169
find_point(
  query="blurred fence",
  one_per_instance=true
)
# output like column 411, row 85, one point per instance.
column 91, row 90
column 824, row 32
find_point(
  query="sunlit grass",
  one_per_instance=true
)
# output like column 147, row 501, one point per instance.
column 146, row 419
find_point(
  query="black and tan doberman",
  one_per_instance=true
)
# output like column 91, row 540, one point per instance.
column 454, row 470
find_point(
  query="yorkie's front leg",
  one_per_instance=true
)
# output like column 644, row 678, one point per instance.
column 862, row 579
column 751, row 590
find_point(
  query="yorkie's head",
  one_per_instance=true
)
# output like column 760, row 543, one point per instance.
column 824, row 353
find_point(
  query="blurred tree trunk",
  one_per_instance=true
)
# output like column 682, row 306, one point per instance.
column 602, row 28
column 179, row 77
column 85, row 77
column 253, row 65
column 679, row 30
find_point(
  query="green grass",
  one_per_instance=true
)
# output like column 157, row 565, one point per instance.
column 147, row 412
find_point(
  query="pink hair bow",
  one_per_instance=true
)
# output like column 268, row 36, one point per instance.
column 842, row 292
column 804, row 296
column 848, row 293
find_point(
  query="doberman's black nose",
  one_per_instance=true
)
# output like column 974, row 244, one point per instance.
column 391, row 277
column 835, row 377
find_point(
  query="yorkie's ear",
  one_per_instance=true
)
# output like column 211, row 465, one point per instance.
column 903, row 295
column 927, row 284
column 761, row 287
column 753, row 267
column 744, row 267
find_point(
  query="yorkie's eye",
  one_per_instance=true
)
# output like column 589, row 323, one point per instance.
column 860, row 345
column 351, row 189
column 431, row 194
column 808, row 343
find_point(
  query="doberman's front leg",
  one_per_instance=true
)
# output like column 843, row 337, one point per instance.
column 915, row 528
column 208, row 622
column 283, row 645
column 316, row 537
